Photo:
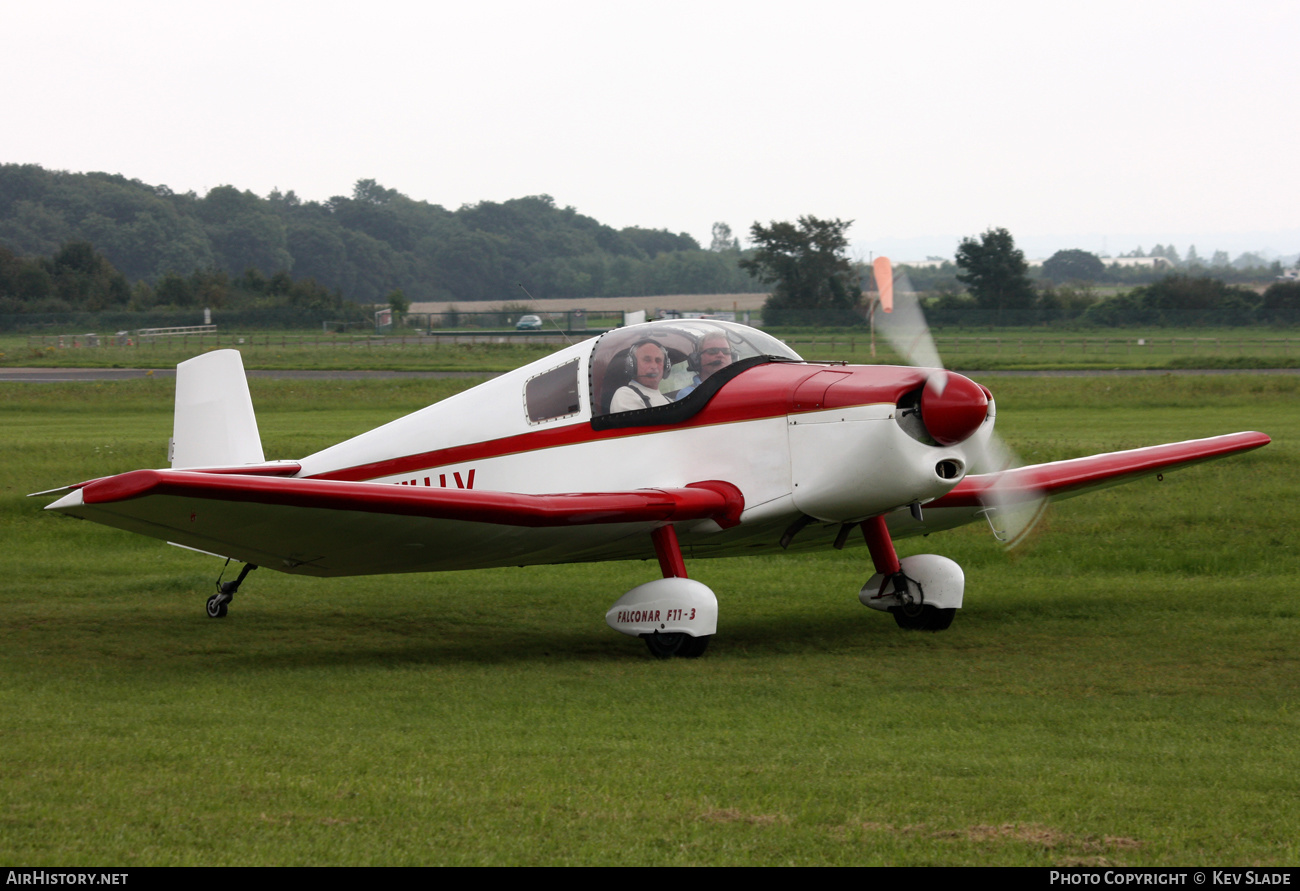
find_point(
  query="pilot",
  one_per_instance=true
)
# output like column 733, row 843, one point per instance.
column 647, row 366
column 712, row 354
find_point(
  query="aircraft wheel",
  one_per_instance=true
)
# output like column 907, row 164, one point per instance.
column 665, row 646
column 923, row 618
column 217, row 607
column 694, row 647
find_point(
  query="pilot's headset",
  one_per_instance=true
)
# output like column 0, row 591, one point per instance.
column 693, row 360
column 629, row 362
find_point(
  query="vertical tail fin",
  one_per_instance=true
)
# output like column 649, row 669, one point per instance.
column 215, row 424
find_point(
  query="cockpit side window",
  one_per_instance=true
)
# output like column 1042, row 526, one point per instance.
column 553, row 394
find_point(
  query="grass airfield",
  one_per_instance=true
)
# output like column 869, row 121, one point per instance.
column 1154, row 348
column 1121, row 690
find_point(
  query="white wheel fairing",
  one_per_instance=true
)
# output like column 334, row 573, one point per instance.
column 666, row 606
column 941, row 581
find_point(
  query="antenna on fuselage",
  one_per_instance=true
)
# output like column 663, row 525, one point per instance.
column 563, row 333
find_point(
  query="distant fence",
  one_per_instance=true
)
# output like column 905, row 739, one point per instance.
column 1046, row 347
column 275, row 318
column 572, row 320
column 856, row 347
column 148, row 335
column 214, row 340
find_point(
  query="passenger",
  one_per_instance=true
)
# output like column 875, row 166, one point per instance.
column 647, row 365
column 711, row 356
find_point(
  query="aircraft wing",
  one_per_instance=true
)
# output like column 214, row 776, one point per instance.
column 331, row 527
column 977, row 493
column 1065, row 479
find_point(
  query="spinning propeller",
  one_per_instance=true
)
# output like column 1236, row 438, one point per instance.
column 1012, row 508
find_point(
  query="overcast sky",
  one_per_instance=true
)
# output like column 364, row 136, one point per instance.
column 1093, row 124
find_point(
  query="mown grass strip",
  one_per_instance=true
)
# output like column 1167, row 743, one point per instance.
column 1124, row 690
column 1014, row 348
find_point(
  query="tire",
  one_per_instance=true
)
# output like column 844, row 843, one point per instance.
column 666, row 646
column 694, row 647
column 926, row 618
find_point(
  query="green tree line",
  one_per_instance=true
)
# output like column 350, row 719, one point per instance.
column 365, row 245
column 990, row 284
column 1176, row 300
column 79, row 279
column 1000, row 291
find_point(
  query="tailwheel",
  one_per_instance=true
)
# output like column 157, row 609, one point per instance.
column 922, row 617
column 666, row 646
column 219, row 603
column 218, row 606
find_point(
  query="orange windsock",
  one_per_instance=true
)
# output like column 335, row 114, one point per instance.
column 884, row 282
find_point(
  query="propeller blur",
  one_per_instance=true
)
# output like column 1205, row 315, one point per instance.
column 909, row 334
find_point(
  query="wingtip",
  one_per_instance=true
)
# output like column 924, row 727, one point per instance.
column 70, row 500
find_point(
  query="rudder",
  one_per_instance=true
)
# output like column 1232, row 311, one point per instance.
column 214, row 424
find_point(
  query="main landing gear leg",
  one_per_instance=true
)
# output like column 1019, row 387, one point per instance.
column 669, row 552
column 912, row 612
column 219, row 603
column 671, row 564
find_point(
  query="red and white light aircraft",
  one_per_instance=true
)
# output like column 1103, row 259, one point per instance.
column 766, row 452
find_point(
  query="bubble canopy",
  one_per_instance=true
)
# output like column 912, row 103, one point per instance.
column 690, row 349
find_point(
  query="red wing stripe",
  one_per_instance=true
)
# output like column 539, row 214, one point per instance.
column 711, row 500
column 1061, row 478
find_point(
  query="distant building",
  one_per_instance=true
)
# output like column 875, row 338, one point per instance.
column 1135, row 262
column 1141, row 262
